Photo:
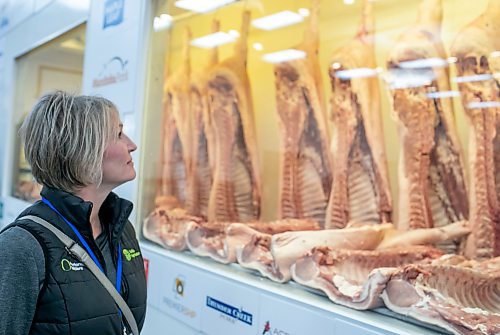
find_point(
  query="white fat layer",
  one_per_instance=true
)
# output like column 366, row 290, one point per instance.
column 475, row 311
column 345, row 287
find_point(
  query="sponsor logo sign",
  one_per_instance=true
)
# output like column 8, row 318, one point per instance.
column 113, row 13
column 232, row 312
column 113, row 71
column 177, row 304
column 268, row 330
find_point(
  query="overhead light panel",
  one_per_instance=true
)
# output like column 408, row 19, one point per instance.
column 164, row 21
column 424, row 63
column 201, row 6
column 476, row 77
column 304, row 12
column 495, row 53
column 443, row 94
column 483, row 104
column 213, row 40
column 258, row 46
column 277, row 20
column 399, row 78
column 362, row 72
column 284, row 55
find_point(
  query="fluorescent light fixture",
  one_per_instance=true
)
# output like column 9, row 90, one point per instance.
column 336, row 66
column 348, row 2
column 362, row 72
column 277, row 20
column 234, row 33
column 477, row 77
column 443, row 94
column 73, row 44
column 258, row 46
column 304, row 12
column 284, row 55
column 213, row 40
column 164, row 21
column 483, row 104
column 423, row 63
column 201, row 6
column 452, row 60
column 495, row 53
column 398, row 78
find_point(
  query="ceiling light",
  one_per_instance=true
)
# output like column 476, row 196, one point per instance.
column 362, row 72
column 452, row 60
column 398, row 78
column 336, row 66
column 483, row 104
column 348, row 2
column 73, row 44
column 477, row 77
column 258, row 46
column 443, row 94
column 423, row 63
column 234, row 33
column 304, row 12
column 164, row 21
column 277, row 20
column 213, row 40
column 284, row 55
column 495, row 54
column 201, row 6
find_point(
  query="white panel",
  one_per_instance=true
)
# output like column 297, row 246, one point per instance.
column 12, row 12
column 280, row 316
column 40, row 4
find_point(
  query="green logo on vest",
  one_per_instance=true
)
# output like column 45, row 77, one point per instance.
column 70, row 266
column 130, row 254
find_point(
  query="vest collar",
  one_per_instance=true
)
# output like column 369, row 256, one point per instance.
column 115, row 211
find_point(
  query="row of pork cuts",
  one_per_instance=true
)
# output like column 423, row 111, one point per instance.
column 362, row 267
column 335, row 208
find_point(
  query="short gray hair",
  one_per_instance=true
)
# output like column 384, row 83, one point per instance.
column 65, row 136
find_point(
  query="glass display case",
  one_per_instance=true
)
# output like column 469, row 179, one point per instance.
column 325, row 117
column 54, row 65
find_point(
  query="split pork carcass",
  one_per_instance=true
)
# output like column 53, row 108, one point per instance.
column 168, row 227
column 236, row 192
column 273, row 255
column 474, row 49
column 200, row 173
column 175, row 130
column 432, row 190
column 222, row 240
column 461, row 296
column 356, row 278
column 360, row 189
column 305, row 163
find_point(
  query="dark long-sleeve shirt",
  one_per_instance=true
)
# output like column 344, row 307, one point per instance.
column 22, row 278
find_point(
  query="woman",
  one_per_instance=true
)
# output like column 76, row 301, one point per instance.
column 78, row 152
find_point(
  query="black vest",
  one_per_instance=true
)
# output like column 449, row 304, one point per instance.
column 72, row 301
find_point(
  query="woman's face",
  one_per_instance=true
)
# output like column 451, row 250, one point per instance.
column 117, row 164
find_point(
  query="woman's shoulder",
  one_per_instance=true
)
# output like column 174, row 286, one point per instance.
column 19, row 241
